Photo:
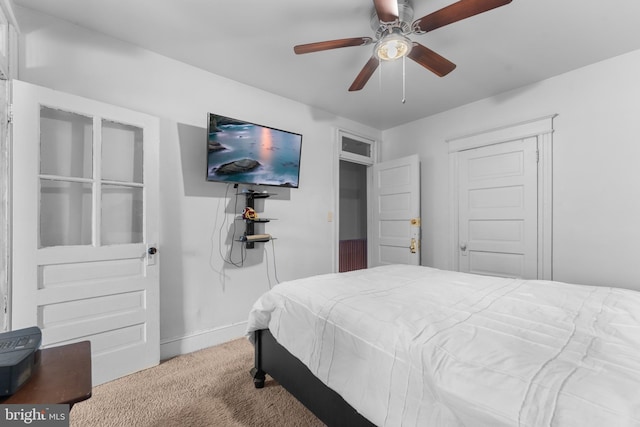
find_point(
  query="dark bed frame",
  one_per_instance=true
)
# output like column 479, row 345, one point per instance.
column 273, row 359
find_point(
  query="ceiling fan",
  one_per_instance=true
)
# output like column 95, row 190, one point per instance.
column 391, row 22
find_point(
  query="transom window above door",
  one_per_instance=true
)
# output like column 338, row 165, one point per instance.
column 357, row 149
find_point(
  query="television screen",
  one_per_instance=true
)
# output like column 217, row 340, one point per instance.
column 246, row 153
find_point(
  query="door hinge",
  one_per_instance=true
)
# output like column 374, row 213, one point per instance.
column 10, row 113
column 537, row 156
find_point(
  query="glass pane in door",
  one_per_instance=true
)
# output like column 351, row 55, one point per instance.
column 122, row 214
column 66, row 144
column 65, row 213
column 121, row 152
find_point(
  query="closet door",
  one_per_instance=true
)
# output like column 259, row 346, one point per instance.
column 498, row 209
column 85, row 223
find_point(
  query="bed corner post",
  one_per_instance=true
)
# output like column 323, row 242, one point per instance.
column 256, row 372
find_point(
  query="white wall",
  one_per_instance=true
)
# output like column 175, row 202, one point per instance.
column 596, row 178
column 203, row 301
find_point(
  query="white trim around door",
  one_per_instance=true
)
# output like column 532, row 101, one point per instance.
column 542, row 129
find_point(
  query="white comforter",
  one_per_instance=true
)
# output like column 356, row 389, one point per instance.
column 416, row 346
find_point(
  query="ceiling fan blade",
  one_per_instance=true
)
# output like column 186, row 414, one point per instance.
column 331, row 44
column 387, row 10
column 431, row 60
column 454, row 13
column 365, row 74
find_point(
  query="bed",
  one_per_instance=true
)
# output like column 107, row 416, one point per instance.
column 402, row 345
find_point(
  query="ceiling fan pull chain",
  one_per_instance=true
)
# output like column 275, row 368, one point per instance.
column 404, row 86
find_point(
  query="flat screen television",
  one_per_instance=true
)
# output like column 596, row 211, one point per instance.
column 241, row 152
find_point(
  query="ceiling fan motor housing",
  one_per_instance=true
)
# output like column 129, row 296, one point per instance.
column 401, row 26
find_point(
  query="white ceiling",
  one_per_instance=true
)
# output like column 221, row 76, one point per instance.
column 251, row 41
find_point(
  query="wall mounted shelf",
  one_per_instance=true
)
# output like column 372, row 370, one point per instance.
column 250, row 237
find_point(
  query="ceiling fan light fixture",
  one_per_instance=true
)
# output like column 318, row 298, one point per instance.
column 392, row 46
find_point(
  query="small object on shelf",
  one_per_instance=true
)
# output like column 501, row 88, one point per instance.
column 257, row 237
column 249, row 213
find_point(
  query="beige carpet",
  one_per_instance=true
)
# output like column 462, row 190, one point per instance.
column 210, row 387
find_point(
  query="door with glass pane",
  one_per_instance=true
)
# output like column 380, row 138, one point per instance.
column 84, row 210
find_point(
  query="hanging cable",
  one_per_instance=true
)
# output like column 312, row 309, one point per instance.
column 404, row 85
column 275, row 268
column 380, row 67
column 228, row 258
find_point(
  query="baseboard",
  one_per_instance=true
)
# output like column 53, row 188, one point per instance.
column 197, row 341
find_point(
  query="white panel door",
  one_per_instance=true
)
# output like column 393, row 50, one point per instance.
column 85, row 203
column 498, row 206
column 395, row 230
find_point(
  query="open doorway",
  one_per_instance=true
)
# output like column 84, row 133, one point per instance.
column 356, row 155
column 353, row 216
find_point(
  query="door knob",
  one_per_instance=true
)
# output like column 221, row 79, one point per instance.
column 152, row 251
column 463, row 247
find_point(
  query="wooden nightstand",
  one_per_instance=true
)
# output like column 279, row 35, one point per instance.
column 62, row 376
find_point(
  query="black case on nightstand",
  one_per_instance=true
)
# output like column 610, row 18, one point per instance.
column 18, row 357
